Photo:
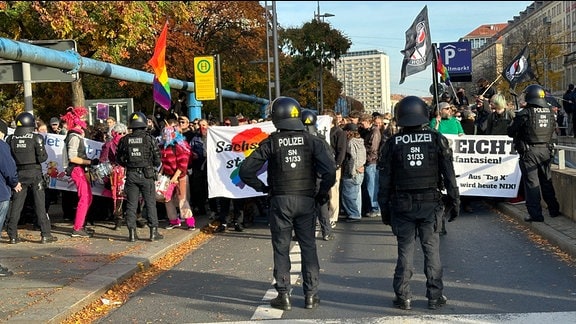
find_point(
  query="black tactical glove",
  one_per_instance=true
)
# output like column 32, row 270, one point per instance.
column 322, row 198
column 385, row 213
column 454, row 212
column 454, row 207
column 94, row 162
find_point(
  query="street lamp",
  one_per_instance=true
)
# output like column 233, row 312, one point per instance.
column 317, row 16
column 547, row 24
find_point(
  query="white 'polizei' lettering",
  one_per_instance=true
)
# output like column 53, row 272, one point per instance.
column 414, row 138
column 134, row 140
column 541, row 110
column 291, row 141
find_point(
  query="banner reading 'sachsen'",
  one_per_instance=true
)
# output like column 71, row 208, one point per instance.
column 228, row 146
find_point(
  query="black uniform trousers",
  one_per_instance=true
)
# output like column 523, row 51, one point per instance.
column 30, row 178
column 296, row 213
column 423, row 220
column 537, row 177
column 135, row 185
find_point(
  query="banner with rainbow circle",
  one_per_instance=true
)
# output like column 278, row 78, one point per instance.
column 228, row 146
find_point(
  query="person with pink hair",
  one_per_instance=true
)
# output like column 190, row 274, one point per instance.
column 75, row 161
column 175, row 153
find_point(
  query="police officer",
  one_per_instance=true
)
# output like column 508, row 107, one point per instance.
column 29, row 153
column 139, row 154
column 414, row 165
column 295, row 160
column 309, row 119
column 532, row 130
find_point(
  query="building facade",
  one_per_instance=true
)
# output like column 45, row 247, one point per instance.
column 365, row 76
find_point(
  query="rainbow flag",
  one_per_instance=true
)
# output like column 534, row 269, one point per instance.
column 158, row 63
column 441, row 69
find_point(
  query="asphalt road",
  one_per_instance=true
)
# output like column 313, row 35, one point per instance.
column 494, row 271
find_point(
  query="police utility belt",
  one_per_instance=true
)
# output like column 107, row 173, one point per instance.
column 420, row 196
column 148, row 171
column 29, row 167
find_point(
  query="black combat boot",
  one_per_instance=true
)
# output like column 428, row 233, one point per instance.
column 282, row 301
column 154, row 235
column 132, row 235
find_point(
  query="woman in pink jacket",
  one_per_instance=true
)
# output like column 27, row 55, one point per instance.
column 175, row 153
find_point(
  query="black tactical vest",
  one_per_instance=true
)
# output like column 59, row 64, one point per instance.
column 291, row 169
column 415, row 160
column 541, row 125
column 23, row 148
column 139, row 150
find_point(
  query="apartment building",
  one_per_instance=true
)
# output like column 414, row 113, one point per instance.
column 549, row 29
column 365, row 77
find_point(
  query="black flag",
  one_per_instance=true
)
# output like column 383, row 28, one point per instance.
column 519, row 69
column 418, row 49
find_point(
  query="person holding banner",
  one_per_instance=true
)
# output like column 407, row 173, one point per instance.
column 532, row 129
column 75, row 162
column 415, row 165
column 296, row 159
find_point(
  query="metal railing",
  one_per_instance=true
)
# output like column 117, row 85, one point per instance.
column 561, row 151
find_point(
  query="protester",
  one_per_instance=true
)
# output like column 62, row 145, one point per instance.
column 372, row 137
column 174, row 155
column 115, row 178
column 75, row 161
column 353, row 174
column 9, row 174
column 338, row 142
column 8, row 182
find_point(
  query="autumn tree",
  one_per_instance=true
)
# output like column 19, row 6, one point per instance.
column 313, row 46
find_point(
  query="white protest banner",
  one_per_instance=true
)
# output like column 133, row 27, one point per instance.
column 228, row 146
column 485, row 165
column 57, row 179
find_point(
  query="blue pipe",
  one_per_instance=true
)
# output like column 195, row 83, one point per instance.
column 71, row 61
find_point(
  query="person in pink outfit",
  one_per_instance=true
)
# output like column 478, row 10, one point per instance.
column 76, row 162
column 175, row 154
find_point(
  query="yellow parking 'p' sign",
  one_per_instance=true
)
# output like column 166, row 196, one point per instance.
column 204, row 80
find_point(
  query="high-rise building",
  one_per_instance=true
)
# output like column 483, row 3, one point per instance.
column 365, row 76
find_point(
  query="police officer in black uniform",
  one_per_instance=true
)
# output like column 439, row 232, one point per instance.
column 532, row 130
column 309, row 119
column 139, row 154
column 295, row 160
column 414, row 165
column 29, row 153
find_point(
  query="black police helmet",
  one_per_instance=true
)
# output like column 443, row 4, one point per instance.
column 412, row 111
column 137, row 120
column 286, row 113
column 25, row 119
column 535, row 95
column 309, row 117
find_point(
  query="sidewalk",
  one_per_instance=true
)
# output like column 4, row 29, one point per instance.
column 559, row 231
column 53, row 281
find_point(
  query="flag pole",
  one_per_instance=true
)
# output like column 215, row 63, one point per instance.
column 435, row 78
column 454, row 93
column 491, row 84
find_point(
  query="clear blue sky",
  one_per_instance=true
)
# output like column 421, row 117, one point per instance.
column 381, row 25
